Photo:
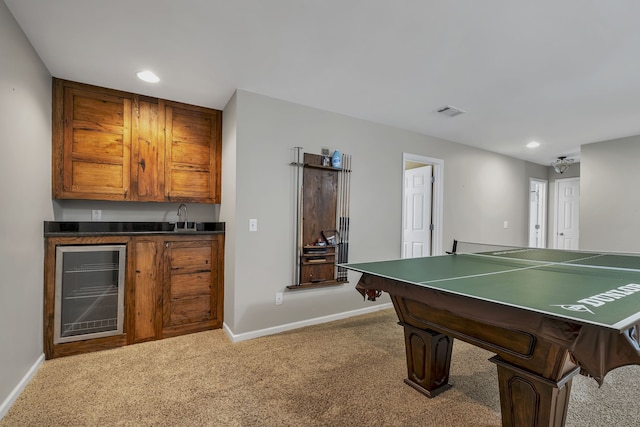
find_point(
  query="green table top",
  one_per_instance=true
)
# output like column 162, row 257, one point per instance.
column 594, row 288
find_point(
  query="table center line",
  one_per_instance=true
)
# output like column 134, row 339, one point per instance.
column 542, row 264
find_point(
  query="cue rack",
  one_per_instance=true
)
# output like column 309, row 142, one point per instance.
column 321, row 212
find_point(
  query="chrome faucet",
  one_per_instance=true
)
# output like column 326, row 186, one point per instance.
column 182, row 205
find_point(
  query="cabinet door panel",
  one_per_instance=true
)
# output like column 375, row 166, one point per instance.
column 89, row 176
column 96, row 109
column 193, row 150
column 184, row 285
column 189, row 181
column 190, row 257
column 190, row 310
column 147, row 295
column 91, row 142
column 189, row 154
column 192, row 285
column 97, row 145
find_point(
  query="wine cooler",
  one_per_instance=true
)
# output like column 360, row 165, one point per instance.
column 89, row 292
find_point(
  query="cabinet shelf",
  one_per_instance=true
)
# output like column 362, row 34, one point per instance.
column 314, row 166
column 324, row 283
column 93, row 292
column 91, row 268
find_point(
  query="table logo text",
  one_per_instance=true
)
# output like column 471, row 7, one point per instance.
column 601, row 299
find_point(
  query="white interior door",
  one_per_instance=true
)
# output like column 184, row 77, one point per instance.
column 537, row 213
column 568, row 213
column 416, row 223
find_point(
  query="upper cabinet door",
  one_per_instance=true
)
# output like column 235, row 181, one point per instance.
column 147, row 150
column 192, row 153
column 91, row 142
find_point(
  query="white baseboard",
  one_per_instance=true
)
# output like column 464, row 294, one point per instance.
column 6, row 404
column 295, row 325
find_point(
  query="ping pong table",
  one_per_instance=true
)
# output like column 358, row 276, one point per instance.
column 546, row 314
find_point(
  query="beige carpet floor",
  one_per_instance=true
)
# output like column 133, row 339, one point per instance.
column 344, row 373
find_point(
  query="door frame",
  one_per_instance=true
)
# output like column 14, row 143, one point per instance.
column 436, row 199
column 543, row 220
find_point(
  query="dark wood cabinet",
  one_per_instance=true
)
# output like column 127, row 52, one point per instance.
column 317, row 264
column 114, row 145
column 174, row 285
column 192, row 295
column 193, row 153
column 145, row 289
column 91, row 142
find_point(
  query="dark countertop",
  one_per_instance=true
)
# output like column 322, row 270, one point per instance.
column 97, row 228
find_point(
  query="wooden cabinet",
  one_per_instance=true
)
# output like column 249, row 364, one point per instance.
column 191, row 295
column 91, row 142
column 174, row 285
column 177, row 285
column 114, row 145
column 193, row 153
column 317, row 264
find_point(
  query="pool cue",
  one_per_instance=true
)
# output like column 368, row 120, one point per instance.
column 347, row 178
column 298, row 215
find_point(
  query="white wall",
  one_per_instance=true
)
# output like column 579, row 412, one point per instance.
column 80, row 210
column 228, row 207
column 481, row 191
column 609, row 196
column 25, row 188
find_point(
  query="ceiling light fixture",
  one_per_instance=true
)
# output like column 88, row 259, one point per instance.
column 533, row 144
column 148, row 76
column 562, row 164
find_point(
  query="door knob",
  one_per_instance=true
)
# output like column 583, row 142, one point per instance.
column 561, row 234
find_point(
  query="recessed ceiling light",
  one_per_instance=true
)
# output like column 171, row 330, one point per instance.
column 148, row 76
column 533, row 144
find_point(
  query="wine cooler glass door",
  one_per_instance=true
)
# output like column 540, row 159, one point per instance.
column 89, row 292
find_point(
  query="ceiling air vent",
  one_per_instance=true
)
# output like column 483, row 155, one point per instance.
column 449, row 111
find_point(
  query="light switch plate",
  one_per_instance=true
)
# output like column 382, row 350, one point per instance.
column 253, row 224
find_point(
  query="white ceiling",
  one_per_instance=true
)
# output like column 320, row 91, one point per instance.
column 561, row 72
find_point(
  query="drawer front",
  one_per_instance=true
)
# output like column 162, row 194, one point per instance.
column 189, row 259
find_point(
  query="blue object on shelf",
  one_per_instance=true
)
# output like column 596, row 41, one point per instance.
column 336, row 159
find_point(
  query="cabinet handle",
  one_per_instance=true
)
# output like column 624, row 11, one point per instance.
column 142, row 164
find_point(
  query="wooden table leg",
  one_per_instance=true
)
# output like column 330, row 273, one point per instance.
column 527, row 399
column 428, row 360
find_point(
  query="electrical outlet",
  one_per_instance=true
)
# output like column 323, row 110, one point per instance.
column 279, row 298
column 96, row 215
column 253, row 225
